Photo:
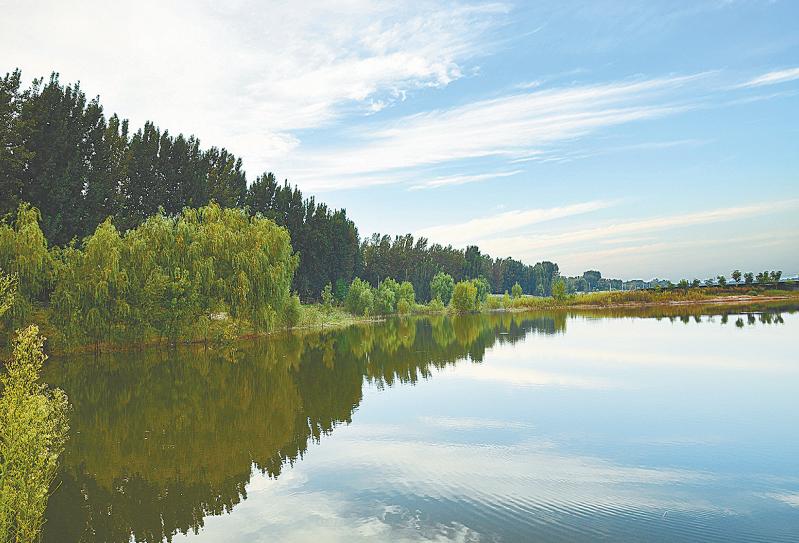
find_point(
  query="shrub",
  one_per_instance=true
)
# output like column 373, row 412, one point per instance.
column 464, row 297
column 385, row 299
column 516, row 290
column 359, row 300
column 403, row 307
column 291, row 313
column 441, row 287
column 327, row 298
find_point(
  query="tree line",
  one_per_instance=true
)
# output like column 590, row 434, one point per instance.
column 187, row 276
column 61, row 154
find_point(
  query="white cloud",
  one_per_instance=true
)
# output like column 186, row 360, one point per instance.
column 461, row 179
column 772, row 78
column 528, row 245
column 248, row 75
column 469, row 231
column 509, row 127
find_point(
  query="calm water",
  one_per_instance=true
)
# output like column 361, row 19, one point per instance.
column 540, row 427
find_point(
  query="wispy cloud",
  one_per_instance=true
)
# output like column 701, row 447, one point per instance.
column 469, row 231
column 461, row 179
column 250, row 75
column 530, row 245
column 772, row 78
column 509, row 127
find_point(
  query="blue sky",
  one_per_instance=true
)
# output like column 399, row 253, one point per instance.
column 642, row 139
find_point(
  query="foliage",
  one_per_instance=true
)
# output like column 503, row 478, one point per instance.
column 721, row 280
column 559, row 290
column 8, row 291
column 24, row 254
column 464, row 297
column 33, row 431
column 483, row 290
column 385, row 300
column 176, row 277
column 327, row 298
column 516, row 290
column 736, row 275
column 441, row 287
column 749, row 278
column 359, row 300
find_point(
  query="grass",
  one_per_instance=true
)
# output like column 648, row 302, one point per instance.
column 646, row 297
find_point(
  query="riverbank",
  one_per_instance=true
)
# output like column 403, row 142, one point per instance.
column 319, row 317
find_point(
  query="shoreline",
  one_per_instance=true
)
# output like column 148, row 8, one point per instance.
column 338, row 320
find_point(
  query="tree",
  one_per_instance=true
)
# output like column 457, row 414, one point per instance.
column 775, row 276
column 327, row 298
column 359, row 300
column 559, row 290
column 464, row 297
column 749, row 278
column 33, row 431
column 483, row 289
column 516, row 290
column 385, row 300
column 592, row 278
column 709, row 282
column 736, row 275
column 441, row 287
column 763, row 277
column 721, row 280
column 683, row 284
column 695, row 283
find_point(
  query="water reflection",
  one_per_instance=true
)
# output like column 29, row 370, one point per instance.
column 162, row 442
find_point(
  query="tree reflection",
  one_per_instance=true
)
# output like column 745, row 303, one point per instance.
column 160, row 440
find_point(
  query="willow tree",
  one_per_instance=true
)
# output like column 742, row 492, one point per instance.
column 247, row 262
column 33, row 431
column 90, row 293
column 23, row 253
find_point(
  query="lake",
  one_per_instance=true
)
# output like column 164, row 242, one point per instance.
column 522, row 427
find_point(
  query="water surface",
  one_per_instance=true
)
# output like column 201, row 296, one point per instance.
column 524, row 427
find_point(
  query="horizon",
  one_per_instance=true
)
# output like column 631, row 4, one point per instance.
column 582, row 136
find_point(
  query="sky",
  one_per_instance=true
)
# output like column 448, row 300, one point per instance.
column 643, row 139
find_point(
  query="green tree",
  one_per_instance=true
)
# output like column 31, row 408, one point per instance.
column 776, row 275
column 749, row 278
column 327, row 298
column 516, row 290
column 464, row 297
column 736, row 275
column 33, row 431
column 763, row 277
column 483, row 289
column 359, row 300
column 683, row 284
column 592, row 278
column 721, row 280
column 695, row 283
column 385, row 299
column 441, row 287
column 559, row 290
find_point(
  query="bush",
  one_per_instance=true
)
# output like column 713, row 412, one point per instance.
column 559, row 290
column 464, row 297
column 359, row 300
column 403, row 307
column 385, row 299
column 441, row 287
column 436, row 306
column 291, row 313
column 327, row 298
column 516, row 290
column 483, row 290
